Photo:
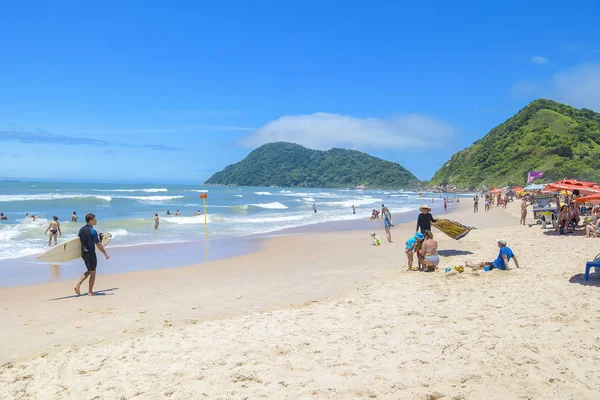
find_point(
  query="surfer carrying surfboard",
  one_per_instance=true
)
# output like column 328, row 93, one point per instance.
column 89, row 241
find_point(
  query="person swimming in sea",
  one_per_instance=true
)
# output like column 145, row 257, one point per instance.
column 74, row 217
column 177, row 212
column 197, row 213
column 54, row 228
column 168, row 212
column 3, row 217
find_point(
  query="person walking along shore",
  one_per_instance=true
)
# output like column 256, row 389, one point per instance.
column 89, row 241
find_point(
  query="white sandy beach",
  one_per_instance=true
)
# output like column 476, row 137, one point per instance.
column 321, row 316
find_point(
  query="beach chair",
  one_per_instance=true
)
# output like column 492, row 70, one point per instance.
column 592, row 264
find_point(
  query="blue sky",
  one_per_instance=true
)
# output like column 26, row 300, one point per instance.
column 172, row 92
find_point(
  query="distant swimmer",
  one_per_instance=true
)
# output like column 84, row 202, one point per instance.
column 3, row 217
column 314, row 207
column 31, row 216
column 74, row 217
column 156, row 221
column 197, row 213
column 177, row 213
column 168, row 212
column 89, row 241
column 353, row 209
column 54, row 229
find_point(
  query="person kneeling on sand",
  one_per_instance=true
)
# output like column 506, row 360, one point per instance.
column 412, row 245
column 376, row 240
column 501, row 262
column 428, row 254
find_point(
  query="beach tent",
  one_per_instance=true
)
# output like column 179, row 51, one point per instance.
column 532, row 187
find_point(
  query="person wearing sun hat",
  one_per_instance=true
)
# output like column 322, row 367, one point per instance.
column 504, row 257
column 424, row 219
column 412, row 245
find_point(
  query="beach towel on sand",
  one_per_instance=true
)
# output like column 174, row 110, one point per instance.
column 454, row 229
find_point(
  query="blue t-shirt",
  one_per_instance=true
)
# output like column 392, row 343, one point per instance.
column 499, row 262
column 411, row 242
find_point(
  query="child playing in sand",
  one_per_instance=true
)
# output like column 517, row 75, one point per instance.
column 413, row 245
column 376, row 241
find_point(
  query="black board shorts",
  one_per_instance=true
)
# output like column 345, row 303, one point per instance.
column 90, row 260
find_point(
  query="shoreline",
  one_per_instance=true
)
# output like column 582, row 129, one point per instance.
column 27, row 270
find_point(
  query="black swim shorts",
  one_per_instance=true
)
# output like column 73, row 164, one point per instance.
column 90, row 260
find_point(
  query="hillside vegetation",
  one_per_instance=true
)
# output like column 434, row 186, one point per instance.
column 544, row 136
column 291, row 165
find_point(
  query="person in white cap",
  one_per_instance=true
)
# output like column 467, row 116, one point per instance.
column 504, row 257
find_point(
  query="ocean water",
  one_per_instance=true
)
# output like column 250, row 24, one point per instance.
column 127, row 211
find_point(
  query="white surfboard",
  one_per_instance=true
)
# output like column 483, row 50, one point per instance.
column 67, row 251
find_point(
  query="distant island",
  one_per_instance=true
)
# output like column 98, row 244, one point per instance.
column 286, row 164
column 544, row 136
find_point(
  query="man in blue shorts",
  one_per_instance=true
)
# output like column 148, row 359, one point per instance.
column 89, row 241
column 501, row 262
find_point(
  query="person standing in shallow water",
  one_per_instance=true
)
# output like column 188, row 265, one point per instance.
column 54, row 229
column 89, row 241
column 353, row 209
column 156, row 221
column 314, row 207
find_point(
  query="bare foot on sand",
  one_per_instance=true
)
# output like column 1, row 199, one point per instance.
column 91, row 294
column 76, row 289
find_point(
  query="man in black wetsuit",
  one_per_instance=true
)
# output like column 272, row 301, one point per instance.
column 424, row 219
column 89, row 241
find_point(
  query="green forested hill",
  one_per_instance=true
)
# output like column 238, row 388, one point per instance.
column 544, row 136
column 291, row 165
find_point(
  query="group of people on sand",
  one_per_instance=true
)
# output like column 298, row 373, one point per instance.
column 423, row 245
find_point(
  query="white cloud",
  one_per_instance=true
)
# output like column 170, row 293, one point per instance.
column 539, row 60
column 324, row 131
column 578, row 87
column 527, row 89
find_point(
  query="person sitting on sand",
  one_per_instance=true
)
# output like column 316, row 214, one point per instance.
column 156, row 221
column 376, row 241
column 54, row 229
column 74, row 217
column 501, row 262
column 197, row 213
column 3, row 217
column 563, row 219
column 592, row 229
column 412, row 245
column 575, row 214
column 428, row 254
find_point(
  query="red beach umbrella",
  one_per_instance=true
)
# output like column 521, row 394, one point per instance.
column 592, row 198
